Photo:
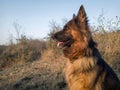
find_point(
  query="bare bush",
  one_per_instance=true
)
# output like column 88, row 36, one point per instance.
column 24, row 51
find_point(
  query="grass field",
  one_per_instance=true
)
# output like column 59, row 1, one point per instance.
column 39, row 65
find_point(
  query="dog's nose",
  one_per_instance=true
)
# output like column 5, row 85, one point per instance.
column 53, row 36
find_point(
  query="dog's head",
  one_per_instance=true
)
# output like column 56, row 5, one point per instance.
column 75, row 36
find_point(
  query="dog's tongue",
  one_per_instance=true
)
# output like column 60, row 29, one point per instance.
column 59, row 44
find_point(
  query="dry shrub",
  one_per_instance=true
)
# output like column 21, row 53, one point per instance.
column 52, row 52
column 108, row 44
column 24, row 51
column 2, row 48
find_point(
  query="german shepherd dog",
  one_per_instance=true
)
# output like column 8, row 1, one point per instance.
column 85, row 68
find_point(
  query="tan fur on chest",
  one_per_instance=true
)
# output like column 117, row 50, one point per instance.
column 80, row 74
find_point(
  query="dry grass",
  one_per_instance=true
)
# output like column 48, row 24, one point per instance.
column 39, row 75
column 47, row 72
column 108, row 44
column 24, row 51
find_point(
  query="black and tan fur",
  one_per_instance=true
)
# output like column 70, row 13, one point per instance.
column 85, row 68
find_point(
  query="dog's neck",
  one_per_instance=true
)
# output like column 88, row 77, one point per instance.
column 82, row 64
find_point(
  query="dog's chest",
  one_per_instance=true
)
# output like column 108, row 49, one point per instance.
column 79, row 81
column 76, row 79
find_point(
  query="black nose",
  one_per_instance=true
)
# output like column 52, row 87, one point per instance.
column 53, row 36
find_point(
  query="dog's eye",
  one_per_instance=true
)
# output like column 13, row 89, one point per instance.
column 66, row 28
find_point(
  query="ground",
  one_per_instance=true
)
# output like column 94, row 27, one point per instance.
column 38, row 75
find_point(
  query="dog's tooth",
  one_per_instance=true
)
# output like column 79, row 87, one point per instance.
column 58, row 44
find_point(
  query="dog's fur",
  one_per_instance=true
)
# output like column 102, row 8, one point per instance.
column 85, row 69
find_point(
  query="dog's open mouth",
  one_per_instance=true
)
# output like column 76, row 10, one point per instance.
column 62, row 40
column 62, row 44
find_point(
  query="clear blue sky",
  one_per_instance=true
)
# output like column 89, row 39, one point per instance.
column 35, row 15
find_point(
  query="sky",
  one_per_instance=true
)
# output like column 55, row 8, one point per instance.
column 34, row 16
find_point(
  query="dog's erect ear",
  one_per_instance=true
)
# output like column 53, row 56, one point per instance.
column 74, row 16
column 81, row 16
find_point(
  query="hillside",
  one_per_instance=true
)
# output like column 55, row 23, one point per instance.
column 39, row 75
column 46, row 73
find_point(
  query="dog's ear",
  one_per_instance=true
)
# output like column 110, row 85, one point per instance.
column 74, row 16
column 81, row 16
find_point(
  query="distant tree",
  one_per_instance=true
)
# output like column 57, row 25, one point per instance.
column 17, row 27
